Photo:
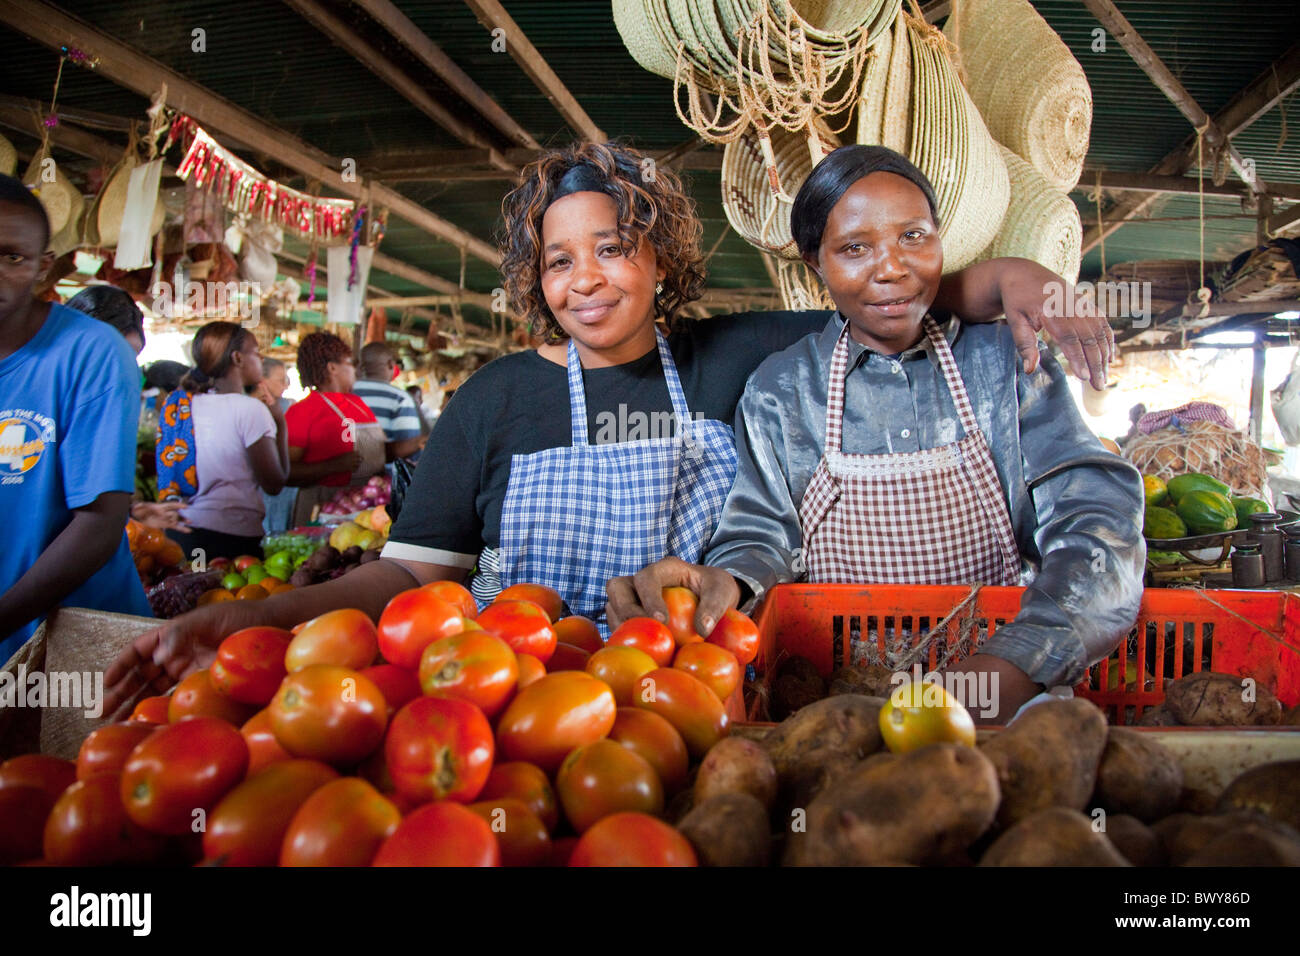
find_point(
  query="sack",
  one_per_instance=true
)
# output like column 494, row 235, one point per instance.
column 1285, row 400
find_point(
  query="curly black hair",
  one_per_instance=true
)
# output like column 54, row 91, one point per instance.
column 315, row 352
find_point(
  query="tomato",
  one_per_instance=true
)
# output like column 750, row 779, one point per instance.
column 473, row 666
column 23, row 811
column 245, row 561
column 441, row 834
column 525, row 782
column 251, row 592
column 918, row 714
column 439, row 748
column 646, row 634
column 411, row 622
column 656, row 740
column 549, row 718
column 632, row 839
column 344, row 638
column 215, row 596
column 51, row 774
column 521, row 624
column 622, row 669
column 341, row 824
column 521, row 835
column 682, row 604
column 548, row 599
column 89, row 827
column 105, row 749
column 151, row 710
column 250, row 664
column 457, row 595
column 184, row 767
column 567, row 658
column 248, row 825
column 263, row 748
column 580, row 632
column 716, row 666
column 398, row 685
column 531, row 670
column 329, row 713
column 687, row 703
column 196, row 696
column 738, row 634
column 603, row 778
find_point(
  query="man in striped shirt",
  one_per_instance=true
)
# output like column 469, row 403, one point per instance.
column 393, row 408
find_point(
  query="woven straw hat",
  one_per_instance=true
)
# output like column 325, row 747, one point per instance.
column 8, row 157
column 56, row 197
column 638, row 25
column 1042, row 223
column 69, row 237
column 1031, row 90
column 105, row 223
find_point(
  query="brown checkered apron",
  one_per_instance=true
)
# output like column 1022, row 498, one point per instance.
column 929, row 517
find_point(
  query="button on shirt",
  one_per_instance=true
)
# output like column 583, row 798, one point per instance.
column 1076, row 509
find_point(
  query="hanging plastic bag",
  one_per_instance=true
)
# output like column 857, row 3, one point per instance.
column 137, row 218
column 1285, row 400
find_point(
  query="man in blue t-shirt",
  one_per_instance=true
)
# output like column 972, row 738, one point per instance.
column 69, row 404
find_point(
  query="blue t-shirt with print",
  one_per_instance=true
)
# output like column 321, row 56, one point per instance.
column 69, row 409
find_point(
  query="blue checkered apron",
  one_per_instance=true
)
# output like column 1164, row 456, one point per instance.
column 575, row 517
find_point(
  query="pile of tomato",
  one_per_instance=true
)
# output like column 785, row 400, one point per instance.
column 155, row 555
column 439, row 736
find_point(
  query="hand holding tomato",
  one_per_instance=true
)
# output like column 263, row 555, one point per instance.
column 642, row 594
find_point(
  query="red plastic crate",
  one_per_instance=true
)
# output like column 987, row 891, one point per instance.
column 1178, row 632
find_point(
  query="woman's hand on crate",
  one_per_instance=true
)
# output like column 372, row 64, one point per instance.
column 642, row 594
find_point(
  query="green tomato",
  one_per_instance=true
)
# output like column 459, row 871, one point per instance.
column 233, row 581
column 255, row 573
column 299, row 561
column 280, row 573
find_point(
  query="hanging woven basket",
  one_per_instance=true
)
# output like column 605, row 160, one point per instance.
column 1042, row 223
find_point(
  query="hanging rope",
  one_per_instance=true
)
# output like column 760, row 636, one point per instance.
column 1203, row 294
column 1101, row 226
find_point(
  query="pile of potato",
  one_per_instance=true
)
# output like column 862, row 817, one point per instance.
column 1208, row 699
column 1056, row 788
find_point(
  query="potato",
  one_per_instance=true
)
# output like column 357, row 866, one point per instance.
column 1251, row 844
column 1272, row 789
column 1135, row 841
column 730, row 829
column 873, row 680
column 1157, row 716
column 1208, row 699
column 791, row 694
column 800, row 668
column 837, row 727
column 1138, row 776
column 926, row 806
column 1056, row 836
column 1047, row 758
column 733, row 765
column 1185, row 834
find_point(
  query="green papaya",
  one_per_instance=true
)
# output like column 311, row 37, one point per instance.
column 1207, row 512
column 1245, row 507
column 1164, row 557
column 1162, row 523
column 1180, row 485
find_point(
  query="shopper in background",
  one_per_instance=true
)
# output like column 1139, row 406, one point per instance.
column 417, row 396
column 218, row 447
column 110, row 304
column 279, row 506
column 395, row 411
column 67, row 442
column 333, row 435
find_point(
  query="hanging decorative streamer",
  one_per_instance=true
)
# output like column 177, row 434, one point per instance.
column 358, row 223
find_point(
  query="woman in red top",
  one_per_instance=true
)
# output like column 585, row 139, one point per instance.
column 333, row 435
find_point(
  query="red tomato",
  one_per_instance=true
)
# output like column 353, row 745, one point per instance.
column 151, row 710
column 580, row 632
column 344, row 638
column 457, row 595
column 622, row 669
column 411, row 622
column 196, row 696
column 531, row 670
column 248, row 825
column 682, row 604
column 523, row 838
column 521, row 624
column 263, row 748
column 603, row 778
column 398, row 685
column 657, row 741
column 525, row 782
column 51, row 774
column 441, row 834
column 23, row 811
column 738, row 634
column 184, row 767
column 548, row 599
column 89, row 827
column 245, row 561
column 105, row 750
column 250, row 664
column 341, row 824
column 439, row 748
column 632, row 839
column 329, row 713
column 567, row 658
column 687, row 703
column 646, row 634
column 716, row 666
column 549, row 718
column 473, row 666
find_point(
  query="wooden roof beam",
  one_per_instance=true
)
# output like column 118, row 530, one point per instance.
column 135, row 71
column 493, row 16
column 1183, row 185
column 418, row 44
column 63, row 136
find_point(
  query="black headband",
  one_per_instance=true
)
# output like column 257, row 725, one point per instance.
column 582, row 178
